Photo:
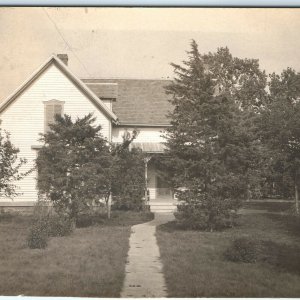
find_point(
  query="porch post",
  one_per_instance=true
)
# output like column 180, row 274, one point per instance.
column 146, row 160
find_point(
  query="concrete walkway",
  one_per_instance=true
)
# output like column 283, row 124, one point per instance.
column 144, row 275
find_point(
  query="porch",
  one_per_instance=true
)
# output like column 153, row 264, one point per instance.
column 160, row 194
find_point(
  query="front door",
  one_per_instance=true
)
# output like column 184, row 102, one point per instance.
column 163, row 188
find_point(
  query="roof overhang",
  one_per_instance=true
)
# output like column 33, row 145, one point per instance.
column 133, row 125
column 81, row 85
column 149, row 147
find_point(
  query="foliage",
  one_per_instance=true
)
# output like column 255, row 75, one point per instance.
column 74, row 165
column 128, row 179
column 39, row 231
column 38, row 235
column 90, row 217
column 241, row 78
column 243, row 249
column 86, row 220
column 211, row 149
column 280, row 127
column 9, row 165
column 59, row 225
column 45, row 224
column 198, row 211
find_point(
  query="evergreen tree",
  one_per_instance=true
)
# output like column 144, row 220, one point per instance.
column 210, row 149
column 74, row 165
column 9, row 166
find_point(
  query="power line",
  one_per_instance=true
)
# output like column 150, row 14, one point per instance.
column 66, row 42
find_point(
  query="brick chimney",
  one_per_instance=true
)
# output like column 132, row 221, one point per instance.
column 64, row 58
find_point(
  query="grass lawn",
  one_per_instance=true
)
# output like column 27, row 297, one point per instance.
column 88, row 263
column 194, row 263
column 275, row 206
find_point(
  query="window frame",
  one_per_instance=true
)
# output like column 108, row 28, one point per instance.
column 48, row 103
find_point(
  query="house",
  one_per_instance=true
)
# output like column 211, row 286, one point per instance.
column 119, row 105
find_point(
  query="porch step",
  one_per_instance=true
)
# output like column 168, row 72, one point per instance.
column 163, row 206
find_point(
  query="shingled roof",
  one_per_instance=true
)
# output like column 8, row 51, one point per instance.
column 138, row 101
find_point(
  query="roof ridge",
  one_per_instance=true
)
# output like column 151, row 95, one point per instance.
column 67, row 72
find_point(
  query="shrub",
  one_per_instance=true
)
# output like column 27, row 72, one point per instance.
column 88, row 219
column 200, row 211
column 38, row 235
column 85, row 220
column 128, row 202
column 68, row 144
column 46, row 224
column 60, row 225
column 243, row 249
column 128, row 184
column 4, row 215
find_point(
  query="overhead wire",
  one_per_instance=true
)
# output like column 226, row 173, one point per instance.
column 66, row 42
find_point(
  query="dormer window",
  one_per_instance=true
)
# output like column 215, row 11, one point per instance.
column 51, row 109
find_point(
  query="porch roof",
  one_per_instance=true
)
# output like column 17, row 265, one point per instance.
column 149, row 147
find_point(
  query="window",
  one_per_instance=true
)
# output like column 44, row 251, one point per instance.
column 51, row 109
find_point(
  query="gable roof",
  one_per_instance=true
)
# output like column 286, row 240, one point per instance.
column 139, row 101
column 81, row 85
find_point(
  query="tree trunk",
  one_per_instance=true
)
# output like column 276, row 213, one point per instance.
column 248, row 192
column 296, row 195
column 109, row 206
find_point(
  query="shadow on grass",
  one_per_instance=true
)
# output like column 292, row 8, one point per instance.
column 170, row 227
column 175, row 226
column 290, row 223
column 269, row 206
column 282, row 256
column 16, row 218
column 118, row 218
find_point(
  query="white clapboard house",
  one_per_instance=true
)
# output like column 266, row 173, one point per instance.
column 119, row 105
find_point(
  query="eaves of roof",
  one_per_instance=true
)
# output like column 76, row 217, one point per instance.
column 81, row 85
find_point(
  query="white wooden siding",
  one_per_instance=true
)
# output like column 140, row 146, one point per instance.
column 24, row 119
column 146, row 134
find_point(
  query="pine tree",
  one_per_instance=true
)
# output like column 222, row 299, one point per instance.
column 74, row 165
column 9, row 166
column 210, row 150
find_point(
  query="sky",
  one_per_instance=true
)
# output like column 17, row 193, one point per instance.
column 141, row 42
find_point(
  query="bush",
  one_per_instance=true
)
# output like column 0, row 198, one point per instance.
column 128, row 202
column 128, row 184
column 4, row 215
column 38, row 235
column 200, row 211
column 60, row 225
column 46, row 224
column 244, row 250
column 74, row 143
column 88, row 219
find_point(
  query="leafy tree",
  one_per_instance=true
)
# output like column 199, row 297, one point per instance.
column 280, row 126
column 210, row 148
column 9, row 166
column 74, row 165
column 128, row 180
column 242, row 79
